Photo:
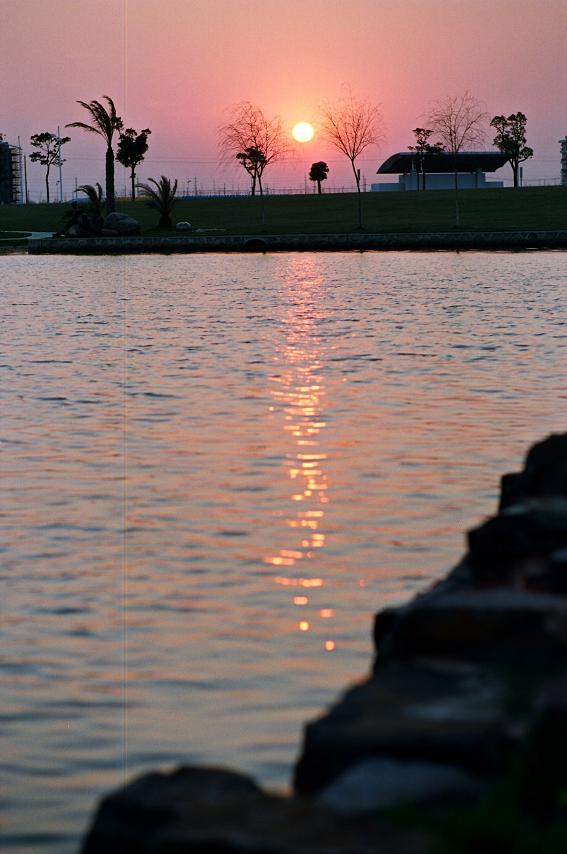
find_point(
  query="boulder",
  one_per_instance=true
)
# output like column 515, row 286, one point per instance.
column 557, row 571
column 542, row 765
column 522, row 532
column 207, row 810
column 515, row 629
column 544, row 473
column 379, row 784
column 448, row 713
column 122, row 224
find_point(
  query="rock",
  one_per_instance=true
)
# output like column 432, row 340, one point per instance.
column 122, row 224
column 544, row 474
column 543, row 762
column 557, row 571
column 183, row 226
column 443, row 712
column 532, row 529
column 137, row 814
column 516, row 629
column 384, row 623
column 204, row 810
column 379, row 784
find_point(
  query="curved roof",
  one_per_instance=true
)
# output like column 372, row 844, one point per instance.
column 464, row 161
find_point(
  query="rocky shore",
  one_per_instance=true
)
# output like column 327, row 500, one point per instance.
column 467, row 699
column 451, row 240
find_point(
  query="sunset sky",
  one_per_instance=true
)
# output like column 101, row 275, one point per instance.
column 176, row 66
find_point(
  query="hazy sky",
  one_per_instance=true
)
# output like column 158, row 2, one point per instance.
column 177, row 65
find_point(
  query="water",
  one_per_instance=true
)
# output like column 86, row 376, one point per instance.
column 215, row 470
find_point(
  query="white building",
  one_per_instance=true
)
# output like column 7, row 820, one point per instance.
column 437, row 171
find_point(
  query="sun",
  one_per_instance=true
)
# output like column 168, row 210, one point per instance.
column 303, row 132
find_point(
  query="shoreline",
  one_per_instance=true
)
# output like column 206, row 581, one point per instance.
column 464, row 713
column 336, row 242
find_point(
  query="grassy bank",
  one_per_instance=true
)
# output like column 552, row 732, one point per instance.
column 537, row 208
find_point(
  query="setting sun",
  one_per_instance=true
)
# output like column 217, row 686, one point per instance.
column 303, row 132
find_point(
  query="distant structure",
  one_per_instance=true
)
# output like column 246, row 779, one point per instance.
column 440, row 170
column 563, row 144
column 10, row 174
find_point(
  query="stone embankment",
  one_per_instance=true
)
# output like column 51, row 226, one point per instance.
column 487, row 240
column 468, row 688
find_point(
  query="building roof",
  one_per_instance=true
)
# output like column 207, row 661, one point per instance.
column 464, row 161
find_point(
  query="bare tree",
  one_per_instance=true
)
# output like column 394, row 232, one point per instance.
column 351, row 126
column 253, row 140
column 459, row 121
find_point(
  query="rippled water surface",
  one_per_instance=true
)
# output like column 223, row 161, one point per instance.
column 215, row 470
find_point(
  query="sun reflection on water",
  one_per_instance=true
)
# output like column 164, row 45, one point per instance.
column 299, row 392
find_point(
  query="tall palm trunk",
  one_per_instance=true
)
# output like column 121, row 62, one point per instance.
column 110, row 200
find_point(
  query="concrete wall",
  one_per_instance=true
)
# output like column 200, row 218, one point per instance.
column 443, row 181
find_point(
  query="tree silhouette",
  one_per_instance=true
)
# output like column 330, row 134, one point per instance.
column 160, row 197
column 254, row 162
column 422, row 147
column 49, row 152
column 253, row 140
column 104, row 123
column 318, row 172
column 132, row 148
column 351, row 126
column 459, row 121
column 91, row 222
column 511, row 140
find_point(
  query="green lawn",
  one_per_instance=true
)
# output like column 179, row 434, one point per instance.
column 504, row 209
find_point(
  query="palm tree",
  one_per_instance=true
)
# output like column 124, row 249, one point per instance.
column 104, row 123
column 94, row 214
column 161, row 199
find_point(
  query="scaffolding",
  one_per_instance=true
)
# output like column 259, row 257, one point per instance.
column 11, row 186
column 563, row 144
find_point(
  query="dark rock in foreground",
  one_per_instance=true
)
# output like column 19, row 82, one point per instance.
column 469, row 682
column 207, row 810
column 459, row 671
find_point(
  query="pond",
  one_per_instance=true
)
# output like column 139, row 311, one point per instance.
column 216, row 469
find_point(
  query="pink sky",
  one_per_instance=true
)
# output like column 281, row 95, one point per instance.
column 176, row 66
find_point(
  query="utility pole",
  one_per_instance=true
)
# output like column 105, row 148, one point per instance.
column 359, row 201
column 59, row 158
column 26, row 179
